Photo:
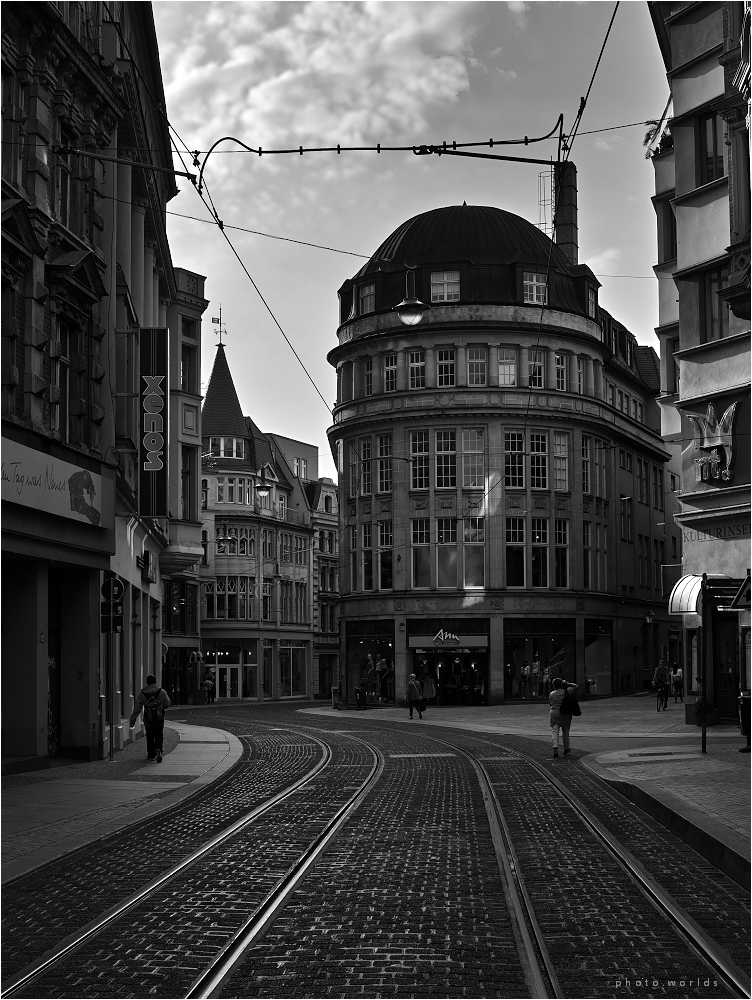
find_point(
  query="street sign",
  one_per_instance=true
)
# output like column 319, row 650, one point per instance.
column 113, row 589
column 110, row 608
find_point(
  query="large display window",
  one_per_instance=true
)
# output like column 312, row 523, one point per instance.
column 535, row 651
column 370, row 662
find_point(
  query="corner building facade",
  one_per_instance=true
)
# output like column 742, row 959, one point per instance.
column 502, row 475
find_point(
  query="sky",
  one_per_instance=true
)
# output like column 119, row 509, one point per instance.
column 285, row 74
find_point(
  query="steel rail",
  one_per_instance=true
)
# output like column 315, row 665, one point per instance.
column 27, row 975
column 706, row 949
column 254, row 926
column 698, row 940
column 535, row 951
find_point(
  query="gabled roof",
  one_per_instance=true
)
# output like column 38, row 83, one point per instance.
column 262, row 453
column 648, row 368
column 221, row 414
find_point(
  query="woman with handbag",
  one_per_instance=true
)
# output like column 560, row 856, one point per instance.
column 563, row 702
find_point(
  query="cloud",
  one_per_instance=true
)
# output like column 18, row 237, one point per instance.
column 605, row 261
column 602, row 144
column 519, row 12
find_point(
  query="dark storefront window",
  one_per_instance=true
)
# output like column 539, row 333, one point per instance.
column 535, row 651
column 598, row 658
column 450, row 658
column 180, row 608
column 370, row 661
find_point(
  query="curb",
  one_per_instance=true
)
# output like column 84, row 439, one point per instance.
column 25, row 866
column 723, row 848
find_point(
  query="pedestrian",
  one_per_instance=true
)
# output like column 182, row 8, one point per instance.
column 414, row 695
column 525, row 680
column 154, row 700
column 677, row 681
column 546, row 681
column 660, row 683
column 209, row 687
column 560, row 721
column 535, row 677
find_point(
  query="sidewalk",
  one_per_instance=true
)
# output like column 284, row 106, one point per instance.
column 653, row 758
column 49, row 813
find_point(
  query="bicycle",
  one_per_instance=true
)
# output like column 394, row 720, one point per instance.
column 661, row 700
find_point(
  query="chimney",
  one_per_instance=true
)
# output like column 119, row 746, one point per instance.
column 565, row 195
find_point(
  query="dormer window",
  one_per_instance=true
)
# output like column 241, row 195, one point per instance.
column 592, row 303
column 445, row 286
column 366, row 299
column 227, row 447
column 534, row 288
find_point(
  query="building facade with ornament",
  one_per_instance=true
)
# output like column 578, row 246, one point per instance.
column 503, row 482
column 700, row 155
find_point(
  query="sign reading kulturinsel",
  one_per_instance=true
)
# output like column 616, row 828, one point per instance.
column 154, row 401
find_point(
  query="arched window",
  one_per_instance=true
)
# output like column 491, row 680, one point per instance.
column 323, row 578
column 330, row 542
column 321, row 541
column 333, row 578
column 328, row 504
column 243, row 546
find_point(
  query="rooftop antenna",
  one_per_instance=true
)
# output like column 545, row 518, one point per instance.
column 217, row 321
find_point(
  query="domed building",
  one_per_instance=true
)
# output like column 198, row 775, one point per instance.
column 502, row 480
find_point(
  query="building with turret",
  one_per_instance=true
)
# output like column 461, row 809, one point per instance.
column 263, row 590
column 503, row 482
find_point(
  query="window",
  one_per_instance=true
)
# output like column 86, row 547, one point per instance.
column 674, row 547
column 561, row 553
column 231, row 489
column 366, row 484
column 473, row 473
column 267, row 592
column 580, row 376
column 300, row 550
column 625, row 518
column 446, row 367
column 205, row 547
column 188, row 327
column 587, row 448
column 476, row 366
column 673, row 483
column 539, row 461
column 220, row 489
column 385, row 555
column 226, row 447
column 300, row 467
column 446, row 460
column 368, row 377
column 535, row 369
column 514, row 472
column 419, row 474
column 586, row 555
column 445, row 286
column 327, row 504
column 446, row 552
column 187, row 368
column 268, row 547
column 64, row 182
column 367, row 534
column 61, row 418
column 421, row 553
column 534, row 288
column 507, row 366
column 561, row 372
column 353, row 533
column 611, row 391
column 710, row 153
column 354, row 466
column 515, row 551
column 643, row 557
column 539, row 530
column 715, row 313
column 657, row 487
column 416, row 361
column 385, row 463
column 474, row 551
column 390, row 373
column 204, row 494
column 366, row 299
column 561, row 461
column 286, row 600
column 642, row 481
column 592, row 303
column 187, row 465
column 301, row 602
column 659, row 558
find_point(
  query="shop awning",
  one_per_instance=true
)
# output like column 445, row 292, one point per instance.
column 722, row 591
column 685, row 597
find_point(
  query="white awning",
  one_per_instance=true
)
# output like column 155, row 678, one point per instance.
column 685, row 597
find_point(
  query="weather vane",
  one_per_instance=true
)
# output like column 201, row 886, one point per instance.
column 217, row 321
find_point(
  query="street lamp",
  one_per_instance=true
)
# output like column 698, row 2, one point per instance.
column 649, row 617
column 263, row 488
column 410, row 310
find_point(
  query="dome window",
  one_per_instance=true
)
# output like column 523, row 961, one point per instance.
column 366, row 299
column 445, row 286
column 534, row 288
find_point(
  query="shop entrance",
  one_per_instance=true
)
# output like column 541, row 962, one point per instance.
column 726, row 665
column 228, row 682
column 536, row 651
column 452, row 676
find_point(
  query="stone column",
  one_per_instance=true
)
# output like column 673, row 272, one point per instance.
column 147, row 314
column 550, row 377
column 357, row 380
column 460, row 365
column 138, row 217
column 589, row 385
column 430, row 368
column 493, row 365
column 123, row 244
column 377, row 368
column 598, row 379
column 401, row 371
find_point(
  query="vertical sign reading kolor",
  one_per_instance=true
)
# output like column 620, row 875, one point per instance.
column 154, row 401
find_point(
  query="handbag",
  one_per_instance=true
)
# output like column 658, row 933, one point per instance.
column 569, row 705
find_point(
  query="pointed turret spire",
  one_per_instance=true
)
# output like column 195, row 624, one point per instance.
column 221, row 413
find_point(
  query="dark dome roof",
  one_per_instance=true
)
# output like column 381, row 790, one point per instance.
column 477, row 233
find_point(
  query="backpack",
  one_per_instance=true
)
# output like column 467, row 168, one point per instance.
column 153, row 709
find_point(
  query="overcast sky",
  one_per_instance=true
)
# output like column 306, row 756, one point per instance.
column 281, row 75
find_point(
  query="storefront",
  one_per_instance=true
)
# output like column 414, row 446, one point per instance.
column 533, row 646
column 369, row 659
column 450, row 658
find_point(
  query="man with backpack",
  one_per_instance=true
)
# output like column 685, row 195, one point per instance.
column 153, row 700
